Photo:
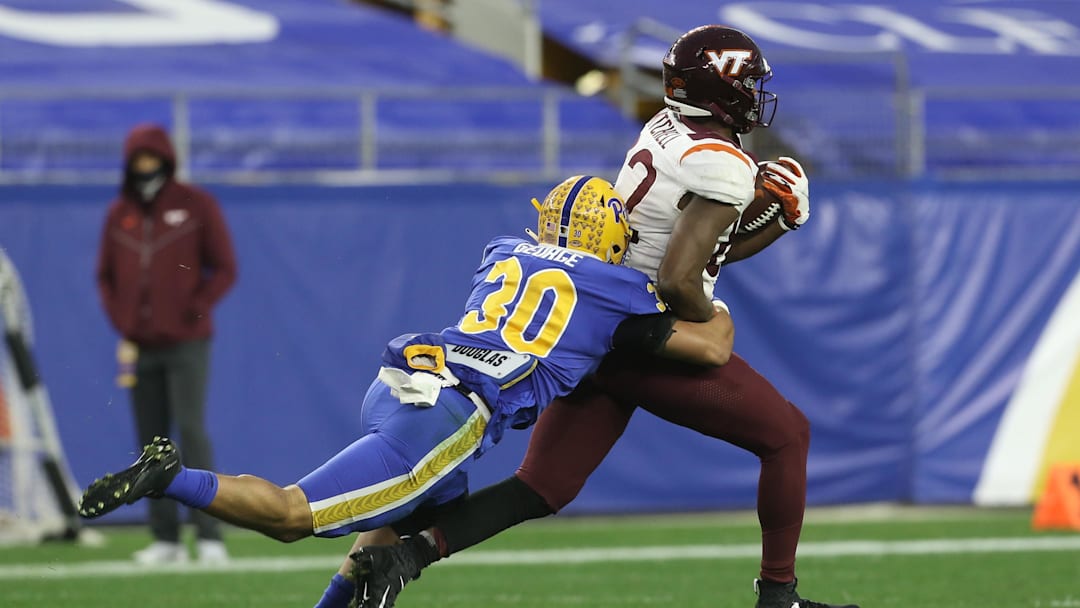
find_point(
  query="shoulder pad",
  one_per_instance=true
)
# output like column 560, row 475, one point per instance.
column 719, row 171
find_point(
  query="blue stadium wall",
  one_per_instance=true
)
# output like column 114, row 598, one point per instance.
column 900, row 320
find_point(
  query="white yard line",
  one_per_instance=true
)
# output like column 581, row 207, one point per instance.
column 563, row 556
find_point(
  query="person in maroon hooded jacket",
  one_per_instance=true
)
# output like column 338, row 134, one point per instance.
column 166, row 259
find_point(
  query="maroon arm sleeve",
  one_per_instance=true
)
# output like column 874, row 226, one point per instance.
column 569, row 441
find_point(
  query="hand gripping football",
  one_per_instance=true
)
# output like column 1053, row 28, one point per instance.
column 762, row 211
column 781, row 191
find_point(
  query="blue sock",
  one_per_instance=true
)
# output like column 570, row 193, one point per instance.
column 338, row 593
column 194, row 488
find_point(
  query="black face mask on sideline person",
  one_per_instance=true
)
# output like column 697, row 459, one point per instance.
column 147, row 184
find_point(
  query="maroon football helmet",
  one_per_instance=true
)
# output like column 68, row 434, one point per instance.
column 717, row 71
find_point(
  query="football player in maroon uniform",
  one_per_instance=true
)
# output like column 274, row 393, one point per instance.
column 688, row 181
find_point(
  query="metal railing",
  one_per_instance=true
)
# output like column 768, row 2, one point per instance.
column 381, row 136
column 363, row 136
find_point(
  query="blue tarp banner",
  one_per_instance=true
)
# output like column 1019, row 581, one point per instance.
column 900, row 320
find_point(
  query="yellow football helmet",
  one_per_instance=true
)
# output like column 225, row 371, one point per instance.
column 584, row 213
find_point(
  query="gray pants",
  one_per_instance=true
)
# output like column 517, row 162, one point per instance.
column 170, row 392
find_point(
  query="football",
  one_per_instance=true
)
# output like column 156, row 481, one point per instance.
column 761, row 211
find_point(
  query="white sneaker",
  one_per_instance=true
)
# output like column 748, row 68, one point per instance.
column 211, row 552
column 160, row 553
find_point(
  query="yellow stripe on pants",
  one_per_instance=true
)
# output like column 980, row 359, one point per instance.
column 368, row 502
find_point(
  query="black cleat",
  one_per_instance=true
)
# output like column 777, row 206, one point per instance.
column 148, row 476
column 380, row 573
column 783, row 595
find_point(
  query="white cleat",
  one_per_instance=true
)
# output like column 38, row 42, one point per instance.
column 160, row 553
column 211, row 552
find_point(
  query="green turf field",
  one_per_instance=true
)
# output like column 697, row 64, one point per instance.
column 880, row 557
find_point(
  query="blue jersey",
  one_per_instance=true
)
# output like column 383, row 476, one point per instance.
column 538, row 320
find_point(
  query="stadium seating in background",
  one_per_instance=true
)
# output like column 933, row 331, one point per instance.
column 324, row 90
column 331, row 88
column 894, row 88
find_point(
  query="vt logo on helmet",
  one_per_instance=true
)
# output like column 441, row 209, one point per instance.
column 716, row 71
column 584, row 214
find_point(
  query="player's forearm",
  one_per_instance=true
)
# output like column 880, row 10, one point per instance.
column 686, row 298
column 746, row 245
column 708, row 343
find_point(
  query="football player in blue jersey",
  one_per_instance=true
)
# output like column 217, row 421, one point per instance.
column 539, row 318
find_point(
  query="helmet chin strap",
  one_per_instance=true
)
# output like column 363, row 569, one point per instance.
column 686, row 109
column 529, row 231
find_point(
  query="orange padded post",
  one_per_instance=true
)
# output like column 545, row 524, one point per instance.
column 1059, row 506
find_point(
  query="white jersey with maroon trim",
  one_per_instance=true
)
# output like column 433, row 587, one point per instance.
column 670, row 159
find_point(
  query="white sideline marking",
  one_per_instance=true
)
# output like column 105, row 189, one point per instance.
column 562, row 556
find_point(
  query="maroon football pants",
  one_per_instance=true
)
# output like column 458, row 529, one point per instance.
column 732, row 402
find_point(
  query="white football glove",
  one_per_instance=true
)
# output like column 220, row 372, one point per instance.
column 785, row 178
